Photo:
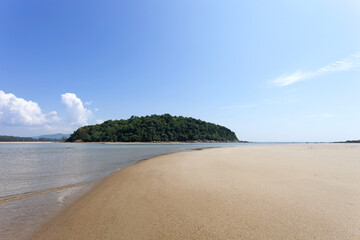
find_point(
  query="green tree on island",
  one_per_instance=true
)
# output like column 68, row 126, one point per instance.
column 154, row 128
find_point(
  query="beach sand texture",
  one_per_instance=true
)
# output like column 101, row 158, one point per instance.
column 246, row 192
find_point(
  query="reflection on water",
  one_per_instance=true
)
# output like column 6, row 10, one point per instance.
column 34, row 173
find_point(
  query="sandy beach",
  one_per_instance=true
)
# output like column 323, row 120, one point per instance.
column 246, row 192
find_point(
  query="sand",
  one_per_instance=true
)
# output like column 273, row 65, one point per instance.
column 247, row 192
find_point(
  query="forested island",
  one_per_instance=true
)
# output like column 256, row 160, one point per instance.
column 154, row 128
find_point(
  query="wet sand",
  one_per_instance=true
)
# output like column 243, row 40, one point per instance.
column 247, row 192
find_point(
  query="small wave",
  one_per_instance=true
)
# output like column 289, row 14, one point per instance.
column 32, row 194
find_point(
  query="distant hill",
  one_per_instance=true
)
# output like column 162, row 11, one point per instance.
column 154, row 128
column 43, row 138
column 4, row 138
column 58, row 136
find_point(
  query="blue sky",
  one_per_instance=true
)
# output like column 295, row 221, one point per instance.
column 269, row 70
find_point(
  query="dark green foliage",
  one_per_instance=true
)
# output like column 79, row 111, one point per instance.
column 153, row 128
column 16, row 139
column 43, row 139
column 29, row 139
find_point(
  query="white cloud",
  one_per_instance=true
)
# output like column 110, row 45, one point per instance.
column 291, row 78
column 338, row 66
column 25, row 117
column 78, row 114
column 99, row 121
column 18, row 111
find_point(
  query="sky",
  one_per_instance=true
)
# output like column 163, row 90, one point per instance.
column 278, row 70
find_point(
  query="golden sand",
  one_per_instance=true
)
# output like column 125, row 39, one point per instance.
column 249, row 192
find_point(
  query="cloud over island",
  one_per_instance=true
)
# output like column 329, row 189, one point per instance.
column 18, row 112
column 78, row 114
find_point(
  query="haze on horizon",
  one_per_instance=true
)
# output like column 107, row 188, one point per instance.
column 269, row 71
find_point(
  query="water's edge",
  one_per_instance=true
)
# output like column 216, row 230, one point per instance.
column 96, row 183
column 25, row 213
column 22, row 214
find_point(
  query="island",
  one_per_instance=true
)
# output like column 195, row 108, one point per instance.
column 154, row 128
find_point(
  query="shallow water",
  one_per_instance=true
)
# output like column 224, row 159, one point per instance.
column 37, row 180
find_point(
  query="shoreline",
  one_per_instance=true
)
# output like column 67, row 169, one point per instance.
column 23, row 213
column 42, row 204
column 171, row 180
column 206, row 142
column 129, row 142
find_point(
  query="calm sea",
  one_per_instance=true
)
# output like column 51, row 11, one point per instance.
column 37, row 180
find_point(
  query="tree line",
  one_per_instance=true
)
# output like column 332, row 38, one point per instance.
column 154, row 128
column 16, row 139
column 4, row 138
